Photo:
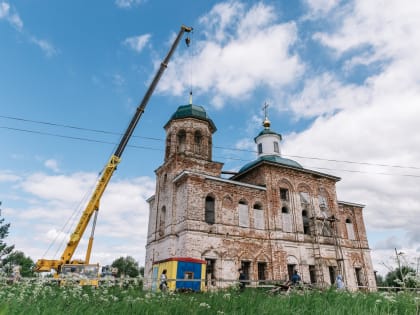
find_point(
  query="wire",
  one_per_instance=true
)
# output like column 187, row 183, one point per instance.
column 216, row 147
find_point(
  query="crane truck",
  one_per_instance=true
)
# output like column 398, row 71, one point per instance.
column 88, row 273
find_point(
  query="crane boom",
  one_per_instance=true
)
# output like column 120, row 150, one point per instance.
column 110, row 167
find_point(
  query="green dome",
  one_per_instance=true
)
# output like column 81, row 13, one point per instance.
column 271, row 158
column 193, row 111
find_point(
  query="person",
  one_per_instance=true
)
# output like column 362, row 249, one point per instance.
column 295, row 278
column 339, row 282
column 242, row 279
column 163, row 281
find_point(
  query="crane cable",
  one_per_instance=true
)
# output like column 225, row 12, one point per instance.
column 188, row 41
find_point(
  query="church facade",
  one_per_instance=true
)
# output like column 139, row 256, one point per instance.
column 270, row 218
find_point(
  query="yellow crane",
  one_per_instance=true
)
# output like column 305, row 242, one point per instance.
column 87, row 272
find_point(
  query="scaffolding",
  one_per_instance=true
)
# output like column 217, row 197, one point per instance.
column 326, row 228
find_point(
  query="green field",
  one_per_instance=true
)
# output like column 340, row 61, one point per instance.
column 130, row 299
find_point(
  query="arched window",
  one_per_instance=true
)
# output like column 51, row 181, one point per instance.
column 260, row 148
column 162, row 219
column 243, row 214
column 305, row 220
column 287, row 219
column 209, row 210
column 182, row 138
column 198, row 138
column 350, row 229
column 258, row 217
column 276, row 147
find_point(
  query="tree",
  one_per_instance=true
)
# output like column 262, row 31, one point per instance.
column 18, row 258
column 401, row 277
column 127, row 266
column 4, row 232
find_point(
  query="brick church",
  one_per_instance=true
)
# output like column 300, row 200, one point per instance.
column 270, row 218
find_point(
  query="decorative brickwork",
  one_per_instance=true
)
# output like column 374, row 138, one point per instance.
column 272, row 217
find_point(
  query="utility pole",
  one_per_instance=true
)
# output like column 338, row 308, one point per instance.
column 399, row 265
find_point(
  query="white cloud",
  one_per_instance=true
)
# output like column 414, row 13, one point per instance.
column 54, row 205
column 137, row 43
column 128, row 3
column 45, row 46
column 320, row 7
column 52, row 164
column 240, row 51
column 372, row 121
column 325, row 94
column 9, row 14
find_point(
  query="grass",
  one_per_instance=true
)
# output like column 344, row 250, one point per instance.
column 45, row 300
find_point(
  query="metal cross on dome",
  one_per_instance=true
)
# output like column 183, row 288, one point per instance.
column 265, row 109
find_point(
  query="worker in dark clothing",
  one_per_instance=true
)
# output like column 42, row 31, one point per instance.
column 242, row 279
column 295, row 278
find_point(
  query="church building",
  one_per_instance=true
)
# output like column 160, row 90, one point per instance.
column 270, row 218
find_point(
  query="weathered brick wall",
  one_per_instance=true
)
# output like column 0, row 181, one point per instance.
column 187, row 178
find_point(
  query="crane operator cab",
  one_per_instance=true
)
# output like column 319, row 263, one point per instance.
column 81, row 274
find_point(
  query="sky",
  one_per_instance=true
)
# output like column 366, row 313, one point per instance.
column 342, row 80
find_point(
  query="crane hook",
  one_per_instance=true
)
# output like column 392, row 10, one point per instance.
column 187, row 41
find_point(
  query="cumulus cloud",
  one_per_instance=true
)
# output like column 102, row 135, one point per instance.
column 56, row 204
column 137, row 43
column 240, row 49
column 373, row 120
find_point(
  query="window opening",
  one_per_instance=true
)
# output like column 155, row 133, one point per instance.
column 197, row 142
column 305, row 219
column 262, row 269
column 182, row 137
column 284, row 194
column 276, row 147
column 211, row 271
column 312, row 274
column 209, row 210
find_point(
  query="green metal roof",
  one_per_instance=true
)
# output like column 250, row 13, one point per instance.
column 271, row 158
column 194, row 111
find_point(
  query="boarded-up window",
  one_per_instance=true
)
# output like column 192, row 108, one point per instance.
column 350, row 230
column 258, row 217
column 287, row 219
column 209, row 210
column 243, row 214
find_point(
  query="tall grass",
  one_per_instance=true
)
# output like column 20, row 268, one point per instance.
column 45, row 300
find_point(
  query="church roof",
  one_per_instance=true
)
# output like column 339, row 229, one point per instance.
column 274, row 159
column 193, row 111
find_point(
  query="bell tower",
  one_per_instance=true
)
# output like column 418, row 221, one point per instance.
column 189, row 140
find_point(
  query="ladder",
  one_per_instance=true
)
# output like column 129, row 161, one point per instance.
column 318, row 259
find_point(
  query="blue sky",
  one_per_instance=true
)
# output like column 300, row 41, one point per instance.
column 341, row 78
